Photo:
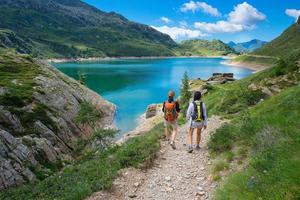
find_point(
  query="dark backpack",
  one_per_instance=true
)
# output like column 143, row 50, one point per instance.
column 197, row 114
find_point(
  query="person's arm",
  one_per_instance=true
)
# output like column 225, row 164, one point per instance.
column 204, row 115
column 189, row 111
column 163, row 108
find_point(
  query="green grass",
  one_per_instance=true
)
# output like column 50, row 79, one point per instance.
column 252, row 59
column 17, row 73
column 271, row 131
column 93, row 174
column 264, row 135
column 231, row 98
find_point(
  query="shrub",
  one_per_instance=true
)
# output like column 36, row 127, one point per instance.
column 220, row 165
column 222, row 139
column 87, row 114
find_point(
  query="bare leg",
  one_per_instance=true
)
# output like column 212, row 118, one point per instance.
column 174, row 134
column 191, row 137
column 198, row 136
column 166, row 132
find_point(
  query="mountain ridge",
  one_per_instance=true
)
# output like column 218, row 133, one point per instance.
column 249, row 46
column 64, row 28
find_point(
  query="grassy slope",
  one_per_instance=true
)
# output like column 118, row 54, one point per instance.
column 92, row 173
column 264, row 135
column 283, row 45
column 204, row 48
column 252, row 59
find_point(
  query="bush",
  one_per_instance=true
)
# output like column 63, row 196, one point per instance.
column 222, row 139
column 87, row 114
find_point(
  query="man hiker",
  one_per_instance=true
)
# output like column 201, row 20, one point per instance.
column 196, row 115
column 171, row 110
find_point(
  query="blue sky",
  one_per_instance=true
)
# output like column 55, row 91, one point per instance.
column 228, row 20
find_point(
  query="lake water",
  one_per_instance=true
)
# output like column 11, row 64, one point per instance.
column 132, row 84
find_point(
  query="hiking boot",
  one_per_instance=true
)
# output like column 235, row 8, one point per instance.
column 190, row 149
column 173, row 145
column 198, row 147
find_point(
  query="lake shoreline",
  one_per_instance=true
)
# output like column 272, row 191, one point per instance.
column 91, row 59
column 256, row 67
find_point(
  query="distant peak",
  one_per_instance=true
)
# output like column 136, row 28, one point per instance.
column 298, row 22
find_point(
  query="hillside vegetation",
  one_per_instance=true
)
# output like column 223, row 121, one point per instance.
column 261, row 141
column 282, row 46
column 64, row 28
column 255, row 60
column 199, row 47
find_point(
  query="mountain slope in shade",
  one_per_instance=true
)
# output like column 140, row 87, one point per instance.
column 287, row 43
column 67, row 28
column 197, row 47
column 247, row 46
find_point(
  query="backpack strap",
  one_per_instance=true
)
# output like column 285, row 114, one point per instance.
column 202, row 113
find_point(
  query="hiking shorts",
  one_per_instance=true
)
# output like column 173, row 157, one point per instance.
column 172, row 124
column 194, row 124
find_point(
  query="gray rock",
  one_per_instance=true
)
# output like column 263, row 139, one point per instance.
column 15, row 158
column 62, row 97
column 151, row 111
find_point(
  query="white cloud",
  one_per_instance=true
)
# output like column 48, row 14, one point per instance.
column 245, row 14
column 178, row 33
column 220, row 27
column 165, row 20
column 183, row 24
column 244, row 17
column 293, row 13
column 204, row 7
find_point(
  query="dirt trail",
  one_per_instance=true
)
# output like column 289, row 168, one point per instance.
column 174, row 175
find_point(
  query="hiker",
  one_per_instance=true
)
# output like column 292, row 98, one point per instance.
column 171, row 110
column 196, row 114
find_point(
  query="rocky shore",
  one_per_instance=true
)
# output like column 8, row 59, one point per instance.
column 40, row 134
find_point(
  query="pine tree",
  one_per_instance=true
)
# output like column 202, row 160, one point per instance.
column 185, row 94
column 82, row 78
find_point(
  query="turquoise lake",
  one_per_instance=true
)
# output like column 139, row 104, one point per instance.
column 132, row 84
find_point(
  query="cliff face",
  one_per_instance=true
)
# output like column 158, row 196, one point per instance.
column 38, row 107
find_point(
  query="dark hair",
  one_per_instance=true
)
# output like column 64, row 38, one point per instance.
column 197, row 96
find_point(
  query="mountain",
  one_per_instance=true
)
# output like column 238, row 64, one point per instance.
column 197, row 47
column 71, row 28
column 249, row 46
column 287, row 43
column 38, row 110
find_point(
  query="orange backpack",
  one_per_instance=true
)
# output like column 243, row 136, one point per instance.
column 170, row 111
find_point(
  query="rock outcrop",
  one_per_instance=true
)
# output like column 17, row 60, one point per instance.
column 42, row 133
column 151, row 111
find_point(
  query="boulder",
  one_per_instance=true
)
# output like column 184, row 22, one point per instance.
column 151, row 111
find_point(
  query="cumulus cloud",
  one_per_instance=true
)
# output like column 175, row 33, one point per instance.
column 220, row 27
column 202, row 6
column 243, row 17
column 178, row 33
column 165, row 20
column 293, row 13
column 245, row 14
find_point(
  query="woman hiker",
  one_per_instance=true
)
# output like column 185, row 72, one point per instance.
column 196, row 115
column 171, row 110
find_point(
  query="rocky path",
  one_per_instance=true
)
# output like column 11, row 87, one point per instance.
column 174, row 175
